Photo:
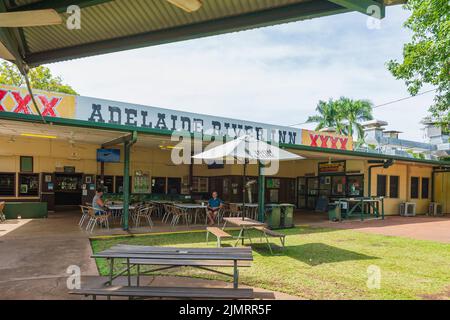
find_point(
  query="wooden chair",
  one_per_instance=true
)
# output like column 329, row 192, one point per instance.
column 146, row 213
column 2, row 215
column 102, row 219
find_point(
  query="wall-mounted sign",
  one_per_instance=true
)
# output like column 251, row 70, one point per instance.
column 326, row 140
column 331, row 167
column 132, row 116
column 51, row 104
column 69, row 169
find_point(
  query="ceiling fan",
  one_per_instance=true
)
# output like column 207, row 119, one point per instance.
column 47, row 17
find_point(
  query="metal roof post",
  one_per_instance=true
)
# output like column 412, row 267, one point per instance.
column 126, row 180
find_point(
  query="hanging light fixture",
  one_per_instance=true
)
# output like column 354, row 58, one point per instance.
column 35, row 135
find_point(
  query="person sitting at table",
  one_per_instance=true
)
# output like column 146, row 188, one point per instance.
column 214, row 204
column 97, row 202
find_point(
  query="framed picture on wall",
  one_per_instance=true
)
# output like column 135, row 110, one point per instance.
column 23, row 188
column 48, row 178
column 88, row 179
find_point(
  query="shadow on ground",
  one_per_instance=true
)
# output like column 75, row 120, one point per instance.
column 313, row 254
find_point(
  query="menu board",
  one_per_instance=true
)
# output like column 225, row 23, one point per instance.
column 331, row 167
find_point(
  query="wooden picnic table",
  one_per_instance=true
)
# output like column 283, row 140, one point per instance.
column 171, row 257
column 243, row 224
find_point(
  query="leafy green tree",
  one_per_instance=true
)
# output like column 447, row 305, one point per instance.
column 344, row 115
column 426, row 59
column 40, row 78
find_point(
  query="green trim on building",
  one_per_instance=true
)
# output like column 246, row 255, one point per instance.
column 364, row 154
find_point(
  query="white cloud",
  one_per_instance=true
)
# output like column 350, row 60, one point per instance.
column 274, row 74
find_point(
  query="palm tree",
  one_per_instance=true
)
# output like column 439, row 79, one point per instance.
column 329, row 116
column 355, row 112
column 344, row 115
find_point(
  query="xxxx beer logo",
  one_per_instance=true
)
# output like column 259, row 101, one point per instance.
column 21, row 103
column 323, row 141
column 326, row 140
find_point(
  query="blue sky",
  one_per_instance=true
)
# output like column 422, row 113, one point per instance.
column 274, row 74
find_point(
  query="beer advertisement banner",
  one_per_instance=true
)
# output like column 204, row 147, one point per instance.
column 51, row 104
column 326, row 140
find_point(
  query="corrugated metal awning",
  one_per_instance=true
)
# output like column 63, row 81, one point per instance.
column 114, row 25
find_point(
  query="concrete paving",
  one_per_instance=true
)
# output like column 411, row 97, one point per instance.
column 419, row 227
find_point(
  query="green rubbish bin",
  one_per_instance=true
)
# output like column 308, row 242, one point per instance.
column 287, row 215
column 273, row 215
column 334, row 212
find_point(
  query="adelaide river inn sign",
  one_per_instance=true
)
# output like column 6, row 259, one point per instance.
column 133, row 116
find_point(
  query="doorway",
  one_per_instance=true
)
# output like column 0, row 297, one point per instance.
column 68, row 190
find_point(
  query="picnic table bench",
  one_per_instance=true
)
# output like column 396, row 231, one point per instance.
column 219, row 233
column 271, row 233
column 166, row 292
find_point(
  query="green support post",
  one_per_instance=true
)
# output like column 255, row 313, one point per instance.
column 261, row 191
column 126, row 180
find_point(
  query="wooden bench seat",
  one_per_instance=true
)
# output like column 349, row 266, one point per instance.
column 166, row 292
column 272, row 233
column 219, row 233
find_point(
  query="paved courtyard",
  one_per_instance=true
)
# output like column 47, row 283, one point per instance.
column 419, row 227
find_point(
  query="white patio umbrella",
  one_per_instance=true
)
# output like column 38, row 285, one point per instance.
column 247, row 148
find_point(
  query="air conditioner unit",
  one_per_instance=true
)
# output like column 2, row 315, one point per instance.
column 435, row 209
column 408, row 209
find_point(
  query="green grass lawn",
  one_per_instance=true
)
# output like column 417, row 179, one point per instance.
column 322, row 263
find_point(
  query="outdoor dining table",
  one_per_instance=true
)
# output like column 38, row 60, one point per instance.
column 243, row 224
column 365, row 203
column 117, row 209
column 193, row 208
column 171, row 257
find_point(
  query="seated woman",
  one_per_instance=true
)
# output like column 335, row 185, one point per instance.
column 214, row 204
column 97, row 201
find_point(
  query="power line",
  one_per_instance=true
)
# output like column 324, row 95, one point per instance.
column 402, row 99
column 380, row 105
